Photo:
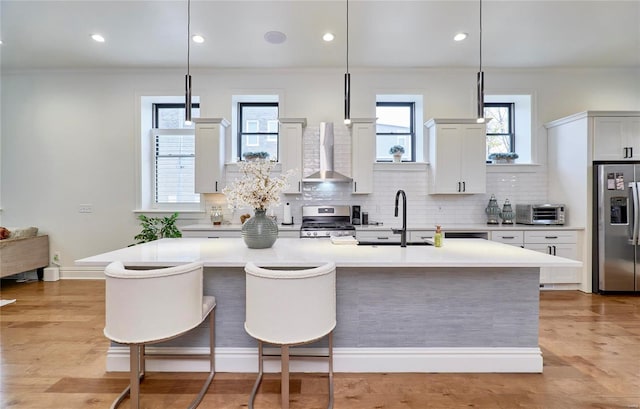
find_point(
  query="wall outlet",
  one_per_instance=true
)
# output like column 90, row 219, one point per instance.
column 56, row 257
column 85, row 208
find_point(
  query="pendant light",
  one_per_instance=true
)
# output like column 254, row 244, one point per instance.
column 187, row 78
column 480, row 78
column 347, row 81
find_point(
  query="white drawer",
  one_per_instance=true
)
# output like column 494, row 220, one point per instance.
column 378, row 235
column 419, row 236
column 551, row 236
column 515, row 237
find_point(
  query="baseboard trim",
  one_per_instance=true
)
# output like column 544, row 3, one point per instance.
column 424, row 360
column 82, row 273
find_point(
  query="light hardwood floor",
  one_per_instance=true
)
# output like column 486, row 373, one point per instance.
column 53, row 356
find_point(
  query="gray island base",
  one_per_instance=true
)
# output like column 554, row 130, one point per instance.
column 404, row 310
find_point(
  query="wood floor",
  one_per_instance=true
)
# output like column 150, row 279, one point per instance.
column 53, row 356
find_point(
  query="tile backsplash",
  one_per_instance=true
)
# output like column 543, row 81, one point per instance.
column 422, row 208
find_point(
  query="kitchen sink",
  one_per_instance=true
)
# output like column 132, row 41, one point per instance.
column 391, row 243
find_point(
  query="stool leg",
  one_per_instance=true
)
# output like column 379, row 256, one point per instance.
column 330, row 406
column 256, row 385
column 134, row 359
column 284, row 382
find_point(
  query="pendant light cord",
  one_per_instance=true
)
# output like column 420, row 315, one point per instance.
column 480, row 36
column 188, row 34
column 347, row 36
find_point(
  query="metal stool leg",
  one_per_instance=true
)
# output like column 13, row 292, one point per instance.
column 284, row 377
column 330, row 406
column 256, row 385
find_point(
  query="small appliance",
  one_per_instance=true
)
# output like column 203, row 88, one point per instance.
column 547, row 214
column 355, row 214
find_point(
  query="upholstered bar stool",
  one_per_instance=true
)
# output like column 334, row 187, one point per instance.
column 288, row 308
column 149, row 306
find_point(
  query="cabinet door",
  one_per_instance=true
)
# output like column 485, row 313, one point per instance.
column 610, row 139
column 381, row 236
column 473, row 166
column 446, row 176
column 421, row 236
column 209, row 157
column 363, row 154
column 632, row 130
column 291, row 153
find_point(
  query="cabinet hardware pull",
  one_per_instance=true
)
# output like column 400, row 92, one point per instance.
column 550, row 237
column 426, row 237
column 464, row 186
column 216, row 185
column 626, row 155
column 631, row 151
column 299, row 190
column 549, row 250
column 213, row 237
column 459, row 187
column 508, row 237
column 355, row 186
column 382, row 238
column 554, row 250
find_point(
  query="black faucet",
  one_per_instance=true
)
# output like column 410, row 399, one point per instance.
column 402, row 232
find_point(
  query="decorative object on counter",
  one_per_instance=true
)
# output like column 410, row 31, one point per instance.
column 255, row 155
column 507, row 213
column 216, row 215
column 287, row 218
column 258, row 189
column 503, row 157
column 244, row 217
column 154, row 228
column 437, row 237
column 397, row 151
column 493, row 211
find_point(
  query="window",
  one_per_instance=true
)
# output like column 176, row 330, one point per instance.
column 258, row 128
column 395, row 126
column 501, row 136
column 174, row 155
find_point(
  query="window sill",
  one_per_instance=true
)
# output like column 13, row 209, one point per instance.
column 182, row 214
column 513, row 167
column 400, row 166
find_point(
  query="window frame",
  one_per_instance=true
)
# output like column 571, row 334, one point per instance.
column 412, row 127
column 510, row 106
column 154, row 132
column 270, row 136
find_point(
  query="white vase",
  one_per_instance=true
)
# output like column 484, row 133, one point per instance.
column 397, row 157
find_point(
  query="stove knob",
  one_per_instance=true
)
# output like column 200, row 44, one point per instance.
column 315, row 233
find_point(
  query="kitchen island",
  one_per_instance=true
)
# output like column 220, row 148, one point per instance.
column 469, row 306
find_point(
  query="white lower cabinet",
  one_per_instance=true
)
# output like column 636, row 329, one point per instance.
column 421, row 236
column 561, row 243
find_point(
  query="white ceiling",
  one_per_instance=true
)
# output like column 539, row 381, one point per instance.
column 392, row 33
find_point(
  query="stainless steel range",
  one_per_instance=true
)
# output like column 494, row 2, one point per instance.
column 326, row 221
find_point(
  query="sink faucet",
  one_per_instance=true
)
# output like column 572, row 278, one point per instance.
column 402, row 232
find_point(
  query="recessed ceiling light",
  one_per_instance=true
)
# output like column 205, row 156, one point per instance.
column 197, row 39
column 460, row 36
column 328, row 37
column 98, row 38
column 275, row 37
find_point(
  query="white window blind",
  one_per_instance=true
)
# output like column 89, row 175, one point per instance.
column 174, row 164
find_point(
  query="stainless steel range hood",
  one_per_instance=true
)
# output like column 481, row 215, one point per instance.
column 326, row 172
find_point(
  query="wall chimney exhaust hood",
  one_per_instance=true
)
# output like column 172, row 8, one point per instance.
column 326, row 172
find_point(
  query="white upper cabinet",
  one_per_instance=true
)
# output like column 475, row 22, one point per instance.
column 363, row 154
column 616, row 138
column 457, row 156
column 290, row 137
column 209, row 156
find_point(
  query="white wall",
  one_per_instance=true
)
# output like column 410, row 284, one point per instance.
column 68, row 138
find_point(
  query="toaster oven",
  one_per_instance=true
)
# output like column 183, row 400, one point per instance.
column 540, row 214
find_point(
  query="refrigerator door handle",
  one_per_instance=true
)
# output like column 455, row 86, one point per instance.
column 634, row 193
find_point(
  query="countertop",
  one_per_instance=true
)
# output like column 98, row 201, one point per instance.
column 445, row 227
column 296, row 252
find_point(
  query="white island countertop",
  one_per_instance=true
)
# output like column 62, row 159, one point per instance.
column 295, row 252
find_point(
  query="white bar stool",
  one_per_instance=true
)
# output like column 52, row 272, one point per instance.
column 287, row 308
column 149, row 306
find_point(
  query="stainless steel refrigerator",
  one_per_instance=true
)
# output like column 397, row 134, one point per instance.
column 616, row 250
